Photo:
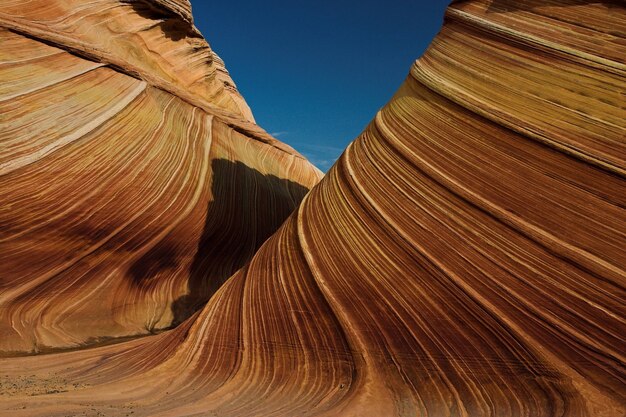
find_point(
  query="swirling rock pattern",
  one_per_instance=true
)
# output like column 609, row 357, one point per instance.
column 112, row 184
column 464, row 257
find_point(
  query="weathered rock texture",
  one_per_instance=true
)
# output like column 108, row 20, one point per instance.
column 464, row 257
column 134, row 181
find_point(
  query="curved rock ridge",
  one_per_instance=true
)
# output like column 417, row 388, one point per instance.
column 181, row 8
column 154, row 40
column 124, row 206
column 464, row 257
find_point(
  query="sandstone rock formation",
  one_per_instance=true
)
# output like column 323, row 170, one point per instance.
column 464, row 257
column 134, row 181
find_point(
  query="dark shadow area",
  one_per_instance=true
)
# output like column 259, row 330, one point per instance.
column 503, row 6
column 172, row 25
column 247, row 208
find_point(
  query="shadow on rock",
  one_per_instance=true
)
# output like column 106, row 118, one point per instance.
column 247, row 208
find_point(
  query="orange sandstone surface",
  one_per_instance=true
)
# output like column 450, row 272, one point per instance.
column 134, row 180
column 464, row 257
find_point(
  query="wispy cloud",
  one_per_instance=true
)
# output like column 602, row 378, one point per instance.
column 323, row 164
column 322, row 156
column 279, row 134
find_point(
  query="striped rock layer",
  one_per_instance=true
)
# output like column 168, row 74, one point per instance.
column 133, row 179
column 464, row 257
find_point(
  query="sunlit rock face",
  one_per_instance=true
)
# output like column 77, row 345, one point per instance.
column 464, row 257
column 134, row 181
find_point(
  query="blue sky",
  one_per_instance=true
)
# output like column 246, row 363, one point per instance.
column 316, row 72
